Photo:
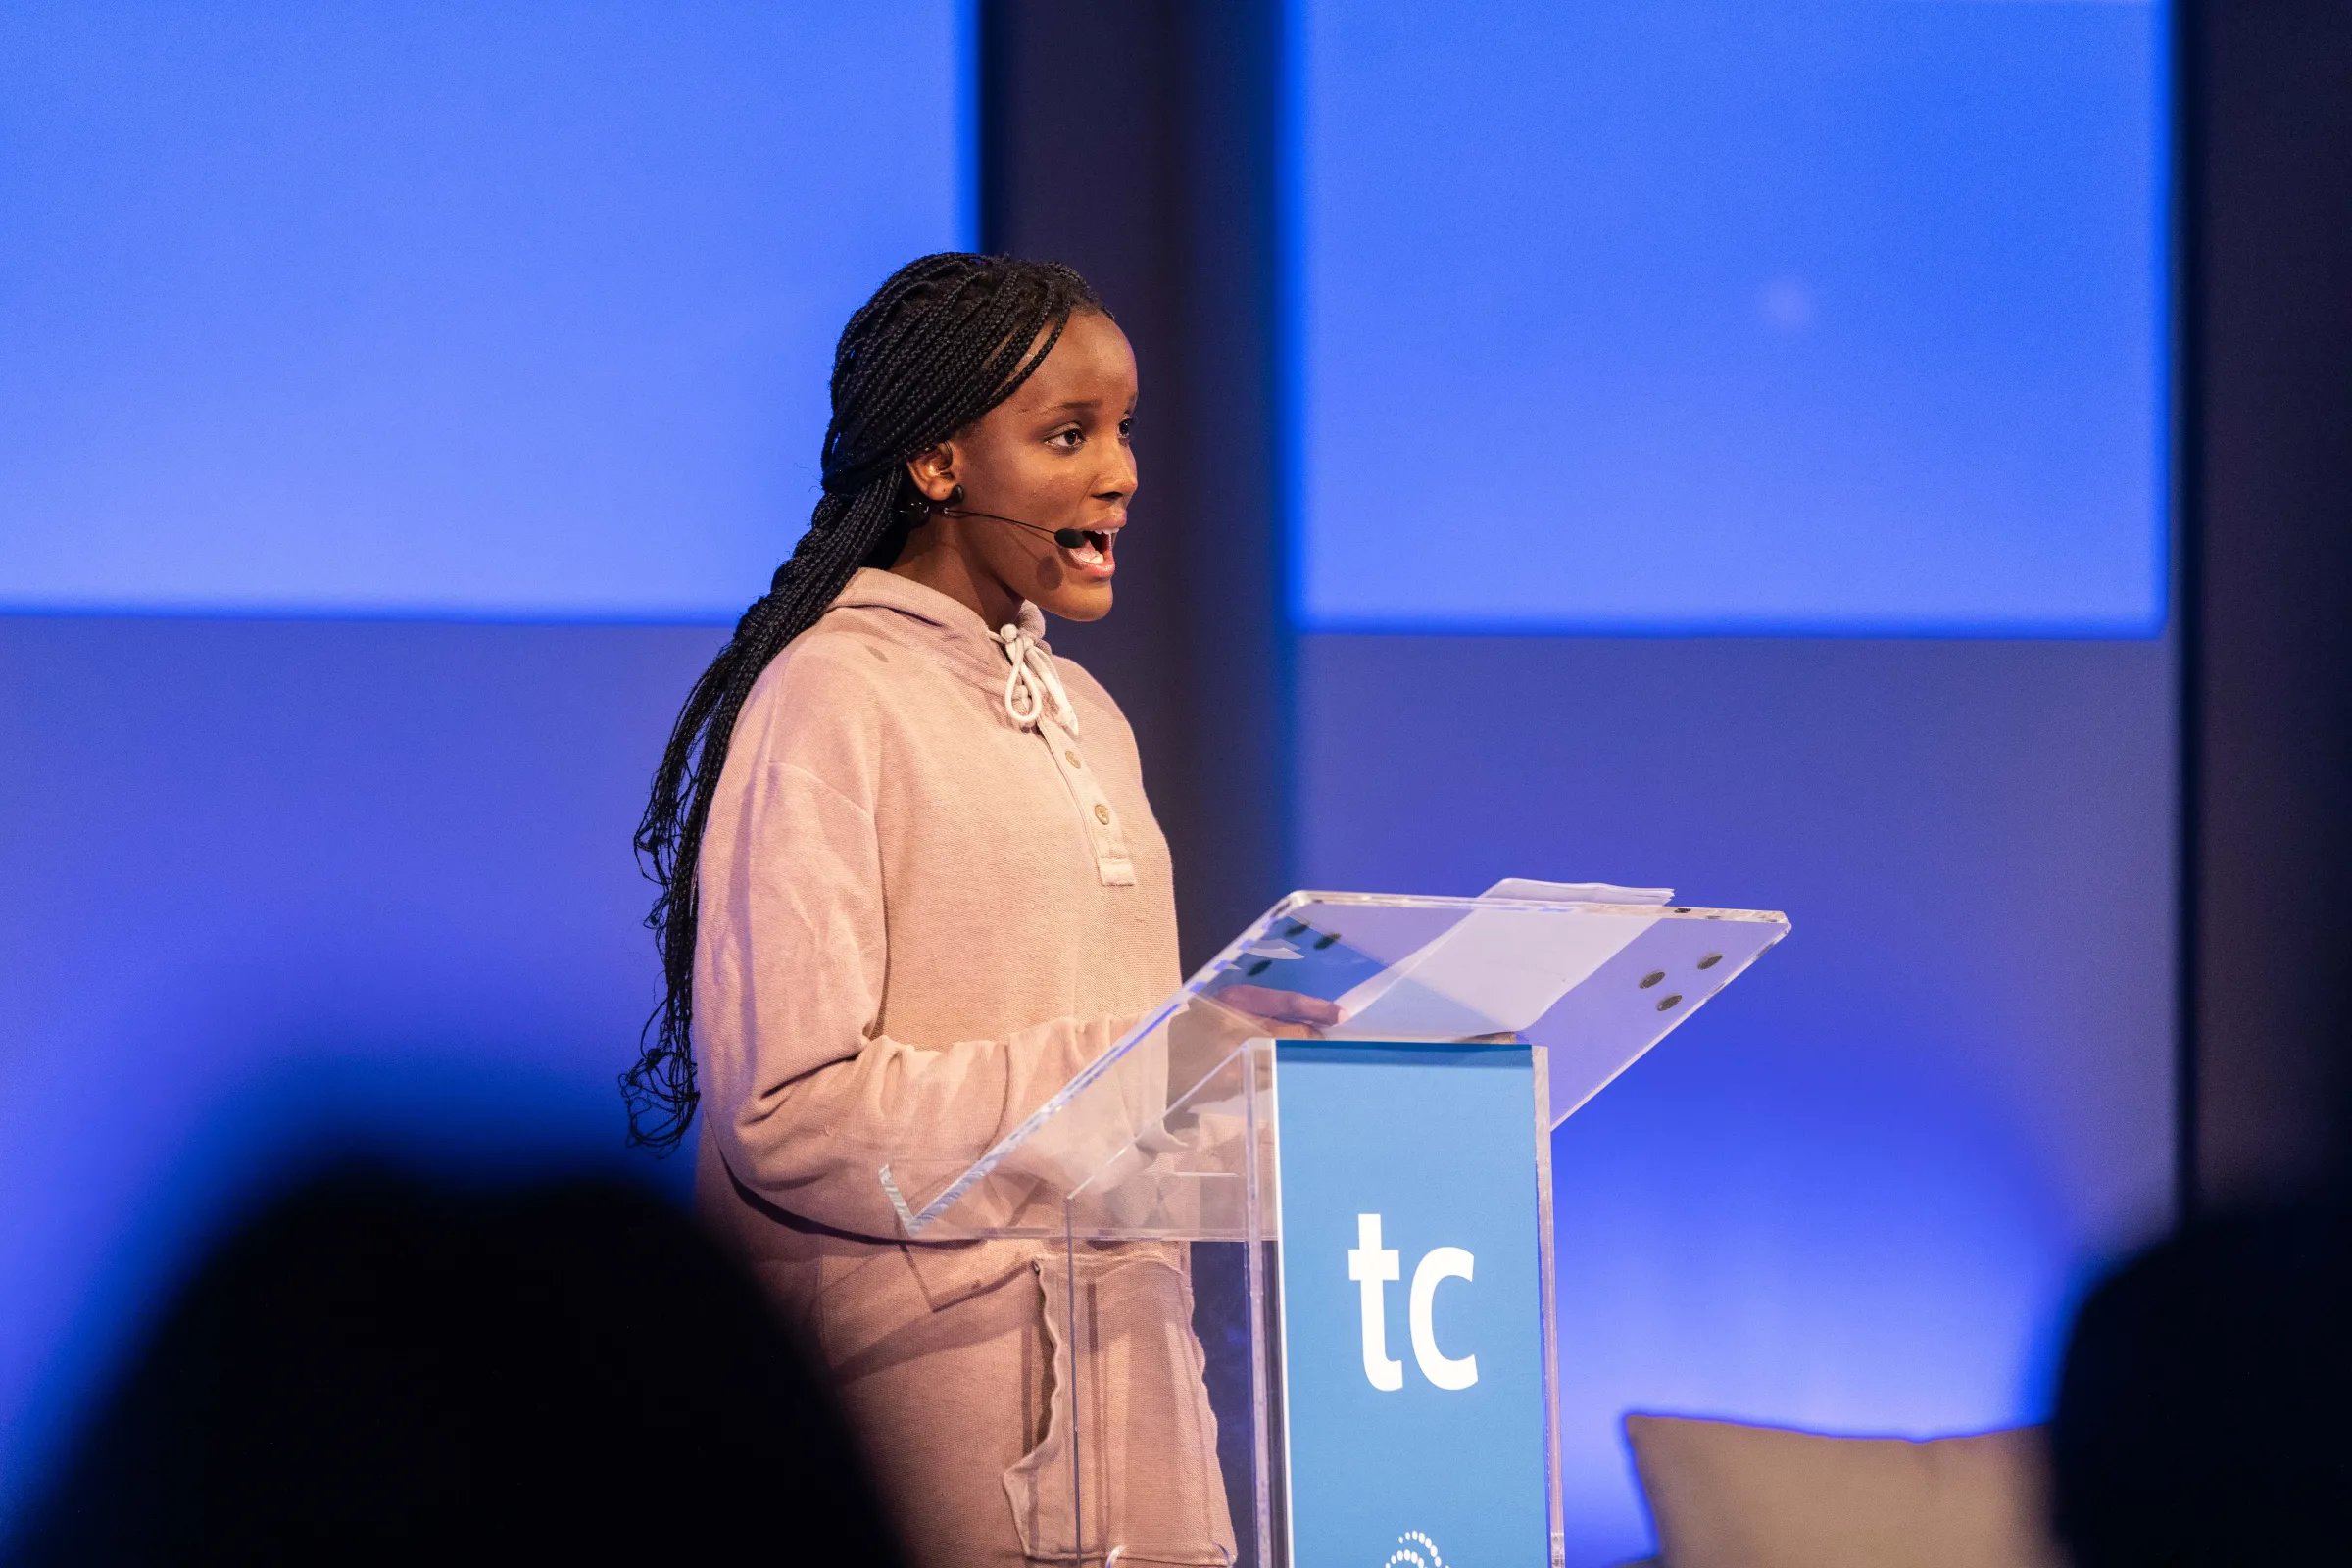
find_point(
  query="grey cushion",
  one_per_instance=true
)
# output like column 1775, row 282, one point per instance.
column 1724, row 1494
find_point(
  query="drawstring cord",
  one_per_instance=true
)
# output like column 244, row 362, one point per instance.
column 1030, row 684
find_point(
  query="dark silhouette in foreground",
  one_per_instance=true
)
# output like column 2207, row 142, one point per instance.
column 2205, row 1409
column 373, row 1370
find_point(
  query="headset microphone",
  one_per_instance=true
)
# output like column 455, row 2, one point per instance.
column 953, row 507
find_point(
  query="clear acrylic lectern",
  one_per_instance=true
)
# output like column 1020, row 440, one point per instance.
column 1176, row 1135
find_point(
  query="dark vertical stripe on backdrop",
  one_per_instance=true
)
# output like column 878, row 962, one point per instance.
column 2267, row 712
column 1138, row 143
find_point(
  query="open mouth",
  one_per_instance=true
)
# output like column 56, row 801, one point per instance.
column 1097, row 554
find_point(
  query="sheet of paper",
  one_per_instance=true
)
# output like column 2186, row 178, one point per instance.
column 1524, row 887
column 1497, row 970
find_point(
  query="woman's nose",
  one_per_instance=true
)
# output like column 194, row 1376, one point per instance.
column 1122, row 480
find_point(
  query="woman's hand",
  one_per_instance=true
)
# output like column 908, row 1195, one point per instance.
column 1212, row 1028
column 1294, row 1014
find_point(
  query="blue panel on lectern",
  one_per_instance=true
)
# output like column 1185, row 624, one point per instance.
column 398, row 306
column 1412, row 1328
column 1814, row 316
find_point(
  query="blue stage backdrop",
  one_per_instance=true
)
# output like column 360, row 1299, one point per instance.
column 398, row 306
column 382, row 310
column 1732, row 315
column 1661, row 323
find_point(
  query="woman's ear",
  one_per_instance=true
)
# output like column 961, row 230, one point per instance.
column 933, row 470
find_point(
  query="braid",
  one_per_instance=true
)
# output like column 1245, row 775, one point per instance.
column 942, row 341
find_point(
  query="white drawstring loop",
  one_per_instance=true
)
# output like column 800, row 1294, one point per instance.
column 1032, row 682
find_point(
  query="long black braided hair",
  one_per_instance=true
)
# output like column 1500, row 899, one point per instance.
column 945, row 340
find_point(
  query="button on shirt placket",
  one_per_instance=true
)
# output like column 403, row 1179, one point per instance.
column 1101, row 823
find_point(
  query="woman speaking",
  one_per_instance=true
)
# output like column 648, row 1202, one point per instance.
column 911, row 885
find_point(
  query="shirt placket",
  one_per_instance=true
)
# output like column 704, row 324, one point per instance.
column 1100, row 819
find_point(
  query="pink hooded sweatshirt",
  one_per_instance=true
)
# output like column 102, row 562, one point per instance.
column 932, row 889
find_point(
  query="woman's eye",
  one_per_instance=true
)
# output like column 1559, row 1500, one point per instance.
column 1068, row 440
column 1126, row 429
